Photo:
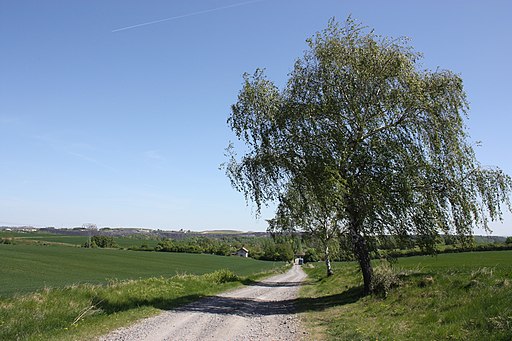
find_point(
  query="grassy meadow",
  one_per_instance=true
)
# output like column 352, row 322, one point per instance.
column 26, row 268
column 464, row 296
column 62, row 293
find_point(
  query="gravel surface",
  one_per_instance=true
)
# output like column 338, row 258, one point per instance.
column 261, row 311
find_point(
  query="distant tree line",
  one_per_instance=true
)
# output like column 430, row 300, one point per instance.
column 309, row 246
column 390, row 247
column 261, row 248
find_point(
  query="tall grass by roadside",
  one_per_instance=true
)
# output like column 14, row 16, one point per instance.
column 85, row 311
column 449, row 297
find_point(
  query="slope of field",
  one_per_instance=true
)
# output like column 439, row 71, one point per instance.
column 26, row 268
column 464, row 296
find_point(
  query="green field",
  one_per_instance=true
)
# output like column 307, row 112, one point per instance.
column 42, row 237
column 463, row 296
column 26, row 268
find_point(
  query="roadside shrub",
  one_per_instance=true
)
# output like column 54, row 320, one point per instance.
column 384, row 279
column 222, row 276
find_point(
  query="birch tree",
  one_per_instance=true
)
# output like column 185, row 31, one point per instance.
column 361, row 121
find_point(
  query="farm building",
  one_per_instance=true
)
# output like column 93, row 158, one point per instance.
column 242, row 252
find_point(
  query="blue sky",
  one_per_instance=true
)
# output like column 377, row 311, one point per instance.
column 128, row 128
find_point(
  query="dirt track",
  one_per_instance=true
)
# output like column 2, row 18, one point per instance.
column 261, row 311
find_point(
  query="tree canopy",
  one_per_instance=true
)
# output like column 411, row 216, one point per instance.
column 362, row 131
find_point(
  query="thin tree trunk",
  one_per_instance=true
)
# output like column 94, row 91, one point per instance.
column 363, row 257
column 328, row 261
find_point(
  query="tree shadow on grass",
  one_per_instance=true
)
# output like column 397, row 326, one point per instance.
column 351, row 295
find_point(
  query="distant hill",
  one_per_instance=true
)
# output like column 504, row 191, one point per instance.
column 223, row 232
column 135, row 232
column 181, row 234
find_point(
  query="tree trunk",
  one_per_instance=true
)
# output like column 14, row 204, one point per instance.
column 363, row 256
column 328, row 261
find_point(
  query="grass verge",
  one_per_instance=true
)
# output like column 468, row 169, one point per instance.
column 466, row 296
column 83, row 312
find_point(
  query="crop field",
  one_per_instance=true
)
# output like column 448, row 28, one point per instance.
column 26, row 268
column 463, row 296
column 42, row 237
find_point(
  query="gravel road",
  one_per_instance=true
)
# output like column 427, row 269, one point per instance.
column 261, row 311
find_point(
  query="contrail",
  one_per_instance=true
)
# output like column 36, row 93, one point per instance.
column 189, row 15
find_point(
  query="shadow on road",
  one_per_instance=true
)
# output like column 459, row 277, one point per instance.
column 244, row 307
column 250, row 282
column 115, row 305
column 247, row 307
